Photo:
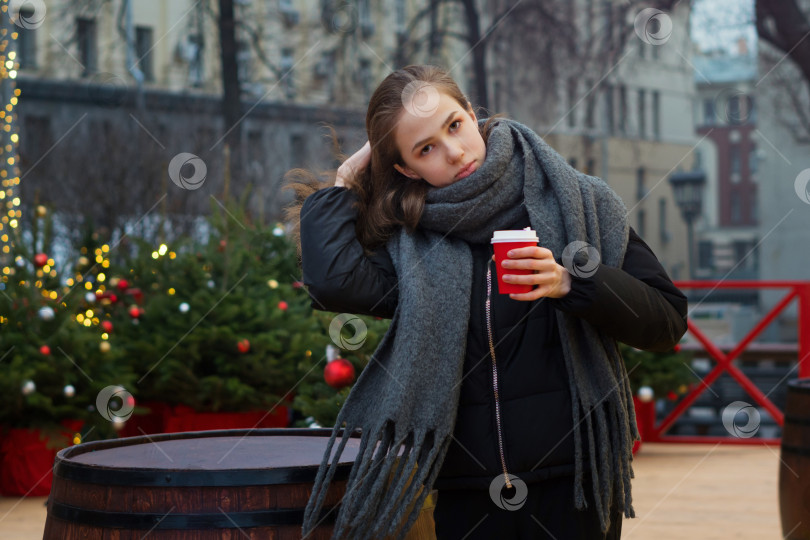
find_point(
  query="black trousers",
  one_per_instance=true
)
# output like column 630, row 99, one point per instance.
column 547, row 514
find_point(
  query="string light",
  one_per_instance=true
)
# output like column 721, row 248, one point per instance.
column 9, row 139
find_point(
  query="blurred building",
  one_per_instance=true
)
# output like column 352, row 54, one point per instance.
column 624, row 115
column 726, row 111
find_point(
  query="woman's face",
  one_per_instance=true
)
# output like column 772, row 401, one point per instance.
column 440, row 142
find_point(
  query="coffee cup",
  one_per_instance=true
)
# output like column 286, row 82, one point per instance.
column 503, row 242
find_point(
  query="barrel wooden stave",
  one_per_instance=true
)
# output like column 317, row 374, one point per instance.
column 794, row 470
column 73, row 498
column 76, row 497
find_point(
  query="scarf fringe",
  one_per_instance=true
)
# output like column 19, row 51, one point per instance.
column 373, row 478
column 610, row 464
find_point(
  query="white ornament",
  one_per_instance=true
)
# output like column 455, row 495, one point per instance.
column 184, row 307
column 46, row 313
column 69, row 391
column 19, row 261
column 28, row 387
column 278, row 231
column 90, row 297
column 645, row 394
column 210, row 283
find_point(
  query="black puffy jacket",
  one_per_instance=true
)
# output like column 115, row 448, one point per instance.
column 637, row 304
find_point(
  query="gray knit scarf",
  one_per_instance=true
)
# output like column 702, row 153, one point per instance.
column 405, row 400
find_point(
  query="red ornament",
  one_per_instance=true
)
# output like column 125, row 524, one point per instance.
column 122, row 285
column 672, row 396
column 222, row 245
column 113, row 298
column 40, row 260
column 107, row 326
column 339, row 373
column 45, row 350
column 677, row 347
column 135, row 312
column 243, row 345
column 297, row 284
column 283, row 305
column 137, row 294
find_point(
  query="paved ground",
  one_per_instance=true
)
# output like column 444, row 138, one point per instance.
column 694, row 492
column 705, row 492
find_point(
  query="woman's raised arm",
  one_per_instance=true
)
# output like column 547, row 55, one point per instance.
column 338, row 274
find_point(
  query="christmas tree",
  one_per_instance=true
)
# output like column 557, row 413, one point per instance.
column 224, row 324
column 54, row 362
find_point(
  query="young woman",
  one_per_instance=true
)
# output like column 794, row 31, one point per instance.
column 516, row 408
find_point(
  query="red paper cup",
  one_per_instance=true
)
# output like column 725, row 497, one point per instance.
column 502, row 242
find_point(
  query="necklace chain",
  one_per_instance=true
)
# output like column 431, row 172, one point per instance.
column 495, row 375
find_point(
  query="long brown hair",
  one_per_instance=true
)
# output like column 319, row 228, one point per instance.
column 387, row 199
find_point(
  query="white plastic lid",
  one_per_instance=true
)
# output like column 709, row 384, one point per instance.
column 522, row 235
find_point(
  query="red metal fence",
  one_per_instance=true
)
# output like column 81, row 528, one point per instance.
column 798, row 290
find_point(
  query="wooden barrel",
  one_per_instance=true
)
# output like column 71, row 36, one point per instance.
column 211, row 484
column 794, row 470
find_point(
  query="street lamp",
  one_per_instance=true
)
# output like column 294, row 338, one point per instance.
column 688, row 190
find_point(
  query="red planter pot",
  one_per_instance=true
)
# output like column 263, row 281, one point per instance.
column 26, row 461
column 149, row 422
column 184, row 418
column 645, row 420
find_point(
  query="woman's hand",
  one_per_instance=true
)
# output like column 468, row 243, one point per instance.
column 350, row 168
column 553, row 280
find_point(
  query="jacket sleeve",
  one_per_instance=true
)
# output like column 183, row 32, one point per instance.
column 637, row 304
column 338, row 274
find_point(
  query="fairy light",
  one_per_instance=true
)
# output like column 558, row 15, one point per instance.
column 9, row 138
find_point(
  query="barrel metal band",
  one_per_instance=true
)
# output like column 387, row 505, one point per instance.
column 795, row 450
column 221, row 520
column 799, row 421
column 191, row 477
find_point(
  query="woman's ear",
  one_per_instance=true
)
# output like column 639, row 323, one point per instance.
column 406, row 171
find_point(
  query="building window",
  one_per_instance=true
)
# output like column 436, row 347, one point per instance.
column 401, row 16
column 143, row 50
column 753, row 162
column 736, row 209
column 609, row 114
column 734, row 161
column 705, row 254
column 590, row 165
column 641, row 225
column 86, row 37
column 364, row 76
column 573, row 162
column 196, row 66
column 572, row 101
column 642, row 116
column 745, row 254
column 590, row 107
column 709, row 117
column 287, row 63
column 662, row 220
column 26, row 43
column 243, row 62
column 607, row 6
column 656, row 114
column 622, row 109
column 641, row 190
